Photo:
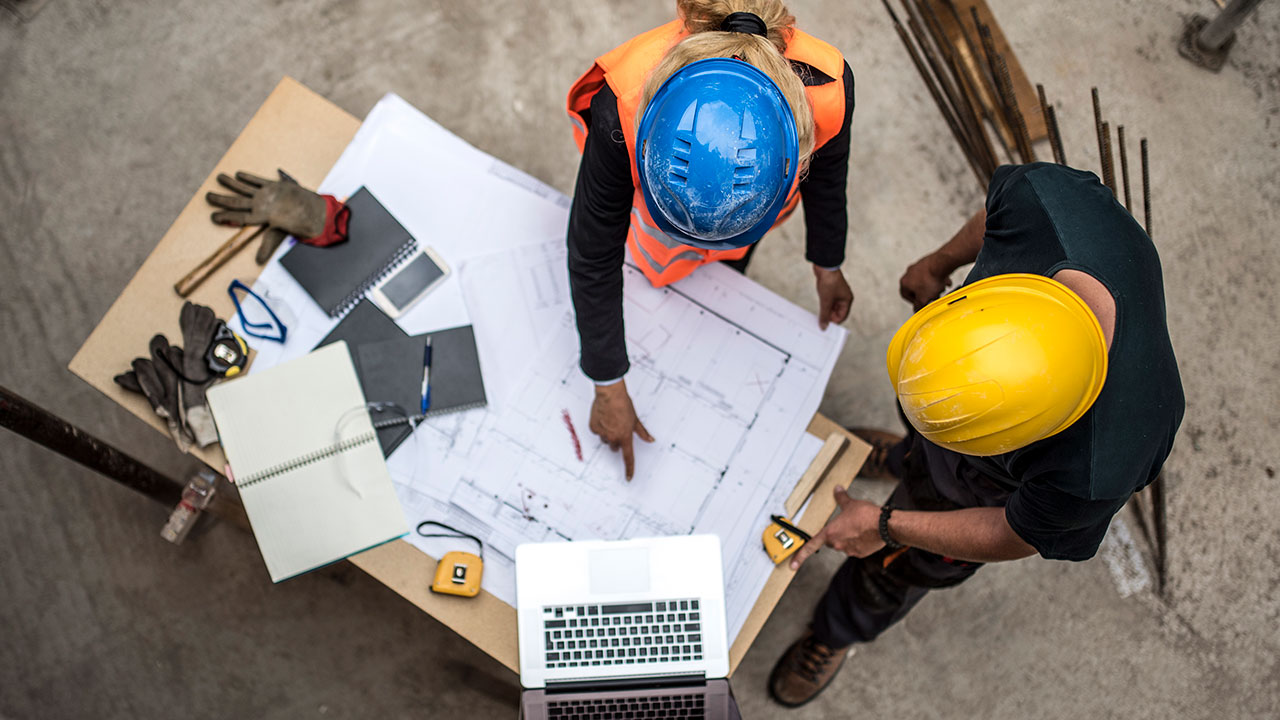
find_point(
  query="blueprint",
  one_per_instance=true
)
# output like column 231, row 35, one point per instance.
column 727, row 402
column 725, row 374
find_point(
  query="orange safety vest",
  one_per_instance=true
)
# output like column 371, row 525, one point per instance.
column 625, row 68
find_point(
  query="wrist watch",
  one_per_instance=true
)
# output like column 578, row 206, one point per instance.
column 885, row 511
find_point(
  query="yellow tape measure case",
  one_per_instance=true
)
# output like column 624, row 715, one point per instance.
column 458, row 573
column 782, row 539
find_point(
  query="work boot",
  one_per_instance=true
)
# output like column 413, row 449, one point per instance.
column 876, row 466
column 804, row 670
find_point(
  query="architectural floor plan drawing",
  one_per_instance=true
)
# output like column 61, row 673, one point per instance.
column 726, row 403
column 725, row 374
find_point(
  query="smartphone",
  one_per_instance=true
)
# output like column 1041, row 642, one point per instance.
column 409, row 282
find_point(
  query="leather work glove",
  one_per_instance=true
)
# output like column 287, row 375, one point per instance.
column 271, row 240
column 157, row 380
column 198, row 323
column 284, row 204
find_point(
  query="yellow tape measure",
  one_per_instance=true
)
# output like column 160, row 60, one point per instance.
column 782, row 539
column 457, row 573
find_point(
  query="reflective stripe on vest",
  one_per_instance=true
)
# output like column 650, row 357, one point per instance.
column 663, row 259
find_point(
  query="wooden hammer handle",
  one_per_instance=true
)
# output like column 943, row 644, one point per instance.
column 188, row 284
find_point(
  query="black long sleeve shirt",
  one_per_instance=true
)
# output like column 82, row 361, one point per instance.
column 600, row 217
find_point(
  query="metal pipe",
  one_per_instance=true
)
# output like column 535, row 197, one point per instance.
column 44, row 428
column 1219, row 30
column 1146, row 189
column 1124, row 169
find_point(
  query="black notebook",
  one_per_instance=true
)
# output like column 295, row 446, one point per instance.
column 338, row 276
column 367, row 324
column 389, row 365
column 391, row 370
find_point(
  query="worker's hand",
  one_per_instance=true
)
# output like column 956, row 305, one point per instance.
column 613, row 418
column 924, row 281
column 834, row 296
column 855, row 531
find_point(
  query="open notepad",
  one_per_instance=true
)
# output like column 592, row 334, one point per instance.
column 315, row 492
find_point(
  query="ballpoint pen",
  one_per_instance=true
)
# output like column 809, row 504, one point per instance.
column 426, row 376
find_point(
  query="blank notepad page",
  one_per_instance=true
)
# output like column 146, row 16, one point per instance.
column 314, row 493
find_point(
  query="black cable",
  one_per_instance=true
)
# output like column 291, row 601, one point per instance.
column 453, row 533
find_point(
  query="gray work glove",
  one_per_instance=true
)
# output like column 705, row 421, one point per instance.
column 271, row 240
column 198, row 323
column 285, row 205
column 157, row 380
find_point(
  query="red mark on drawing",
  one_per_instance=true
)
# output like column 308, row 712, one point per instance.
column 577, row 444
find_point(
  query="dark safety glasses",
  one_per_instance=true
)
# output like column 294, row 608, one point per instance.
column 256, row 317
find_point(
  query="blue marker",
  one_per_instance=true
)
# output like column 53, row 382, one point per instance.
column 426, row 377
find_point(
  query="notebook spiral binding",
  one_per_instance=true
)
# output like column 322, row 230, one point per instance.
column 414, row 419
column 314, row 457
column 350, row 301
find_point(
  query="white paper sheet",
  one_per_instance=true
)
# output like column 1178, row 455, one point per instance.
column 727, row 402
column 724, row 373
column 444, row 192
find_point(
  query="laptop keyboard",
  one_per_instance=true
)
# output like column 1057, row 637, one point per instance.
column 622, row 634
column 664, row 706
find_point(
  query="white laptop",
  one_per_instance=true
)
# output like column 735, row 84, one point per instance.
column 609, row 628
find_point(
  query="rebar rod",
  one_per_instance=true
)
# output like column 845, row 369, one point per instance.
column 1097, row 123
column 1108, row 164
column 970, row 145
column 1010, row 100
column 985, row 81
column 970, row 118
column 933, row 90
column 1124, row 168
column 1146, row 189
column 1055, row 137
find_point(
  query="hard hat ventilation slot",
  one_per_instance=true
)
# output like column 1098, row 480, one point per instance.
column 953, row 302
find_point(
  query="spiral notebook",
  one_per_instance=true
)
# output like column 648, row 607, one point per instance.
column 338, row 276
column 309, row 470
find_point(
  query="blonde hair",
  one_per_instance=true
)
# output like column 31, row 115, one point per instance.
column 702, row 19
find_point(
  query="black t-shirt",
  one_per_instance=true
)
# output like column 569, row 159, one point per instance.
column 1063, row 490
column 601, row 214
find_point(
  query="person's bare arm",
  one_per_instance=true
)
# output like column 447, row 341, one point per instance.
column 928, row 277
column 973, row 534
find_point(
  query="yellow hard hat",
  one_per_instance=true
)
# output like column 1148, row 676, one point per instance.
column 999, row 364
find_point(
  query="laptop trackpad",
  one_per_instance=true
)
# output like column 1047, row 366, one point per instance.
column 625, row 570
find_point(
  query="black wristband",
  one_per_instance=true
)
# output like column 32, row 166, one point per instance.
column 889, row 542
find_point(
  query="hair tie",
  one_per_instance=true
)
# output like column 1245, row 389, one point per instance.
column 745, row 22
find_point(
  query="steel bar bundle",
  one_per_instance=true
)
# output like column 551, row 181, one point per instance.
column 962, row 76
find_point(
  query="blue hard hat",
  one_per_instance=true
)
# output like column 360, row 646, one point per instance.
column 717, row 151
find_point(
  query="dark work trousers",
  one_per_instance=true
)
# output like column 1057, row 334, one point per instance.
column 869, row 594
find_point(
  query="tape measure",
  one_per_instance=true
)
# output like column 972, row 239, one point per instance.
column 457, row 573
column 228, row 354
column 782, row 539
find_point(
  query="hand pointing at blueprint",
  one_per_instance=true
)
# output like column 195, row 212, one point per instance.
column 613, row 418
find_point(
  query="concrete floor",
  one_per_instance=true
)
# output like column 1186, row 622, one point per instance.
column 111, row 113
